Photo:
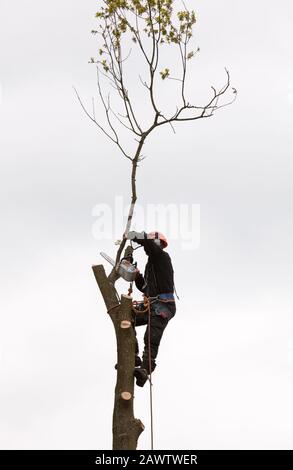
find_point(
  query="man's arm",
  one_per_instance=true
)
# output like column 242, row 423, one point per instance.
column 149, row 245
column 140, row 282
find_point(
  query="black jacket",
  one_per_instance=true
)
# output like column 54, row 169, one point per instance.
column 159, row 275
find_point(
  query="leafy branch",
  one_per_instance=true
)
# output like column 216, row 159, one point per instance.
column 149, row 26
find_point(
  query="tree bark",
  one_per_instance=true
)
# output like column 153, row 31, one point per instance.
column 126, row 428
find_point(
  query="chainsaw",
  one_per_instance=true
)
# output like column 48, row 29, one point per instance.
column 126, row 270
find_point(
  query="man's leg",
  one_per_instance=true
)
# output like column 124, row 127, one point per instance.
column 157, row 327
column 158, row 323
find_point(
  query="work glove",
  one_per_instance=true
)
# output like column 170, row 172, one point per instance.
column 132, row 234
column 128, row 254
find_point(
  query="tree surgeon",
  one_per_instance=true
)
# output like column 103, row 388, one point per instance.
column 157, row 285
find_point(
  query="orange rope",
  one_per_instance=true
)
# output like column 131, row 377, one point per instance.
column 146, row 302
column 130, row 290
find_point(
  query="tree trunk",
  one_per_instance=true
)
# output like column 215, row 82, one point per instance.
column 126, row 428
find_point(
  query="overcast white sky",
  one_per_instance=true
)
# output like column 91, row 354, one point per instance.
column 225, row 368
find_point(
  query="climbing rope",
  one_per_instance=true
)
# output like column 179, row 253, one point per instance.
column 150, row 370
column 147, row 305
column 114, row 306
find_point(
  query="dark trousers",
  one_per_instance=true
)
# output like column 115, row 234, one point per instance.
column 160, row 316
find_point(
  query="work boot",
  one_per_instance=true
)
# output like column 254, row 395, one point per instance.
column 138, row 362
column 146, row 364
column 141, row 376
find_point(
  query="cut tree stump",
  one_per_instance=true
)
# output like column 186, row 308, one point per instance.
column 125, row 324
column 126, row 428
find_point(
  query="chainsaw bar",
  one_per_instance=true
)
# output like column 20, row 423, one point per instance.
column 107, row 258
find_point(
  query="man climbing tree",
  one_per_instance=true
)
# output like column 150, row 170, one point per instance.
column 157, row 285
column 133, row 34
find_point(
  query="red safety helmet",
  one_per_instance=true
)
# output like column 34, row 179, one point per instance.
column 160, row 236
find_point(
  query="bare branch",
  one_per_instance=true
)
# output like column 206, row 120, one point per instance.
column 143, row 83
column 137, row 36
column 154, row 60
column 94, row 114
column 135, row 160
column 128, row 106
column 173, row 78
column 100, row 127
column 121, row 122
column 205, row 111
column 111, row 81
column 183, row 59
